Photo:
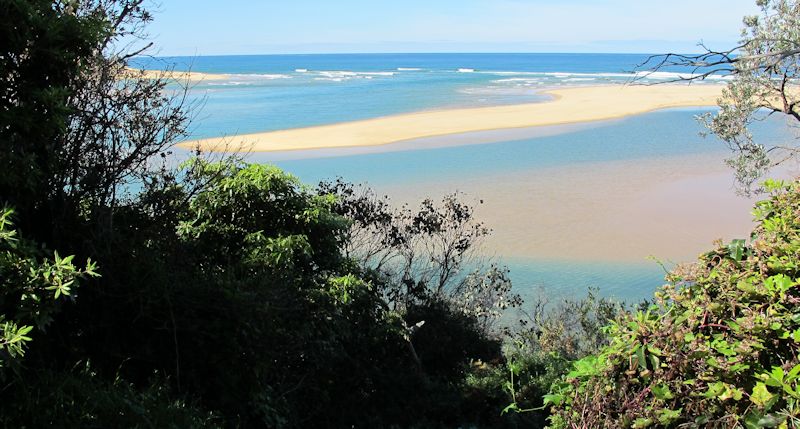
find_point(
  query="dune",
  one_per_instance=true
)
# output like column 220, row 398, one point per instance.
column 567, row 106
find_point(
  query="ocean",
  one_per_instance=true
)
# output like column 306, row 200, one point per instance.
column 273, row 92
column 265, row 93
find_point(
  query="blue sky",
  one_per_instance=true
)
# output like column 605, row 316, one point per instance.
column 204, row 27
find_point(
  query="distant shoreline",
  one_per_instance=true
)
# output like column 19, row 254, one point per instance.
column 175, row 75
column 568, row 106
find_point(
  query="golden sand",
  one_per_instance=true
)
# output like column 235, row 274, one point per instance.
column 176, row 75
column 571, row 105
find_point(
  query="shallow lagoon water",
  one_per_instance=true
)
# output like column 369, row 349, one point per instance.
column 648, row 163
column 645, row 150
column 653, row 135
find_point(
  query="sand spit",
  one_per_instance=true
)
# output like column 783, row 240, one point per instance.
column 568, row 106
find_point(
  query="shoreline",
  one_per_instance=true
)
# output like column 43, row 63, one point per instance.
column 189, row 76
column 567, row 106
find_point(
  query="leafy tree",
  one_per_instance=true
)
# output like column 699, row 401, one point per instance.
column 42, row 46
column 764, row 70
column 229, row 291
column 76, row 126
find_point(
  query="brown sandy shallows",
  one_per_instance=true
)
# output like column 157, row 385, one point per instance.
column 619, row 211
column 571, row 105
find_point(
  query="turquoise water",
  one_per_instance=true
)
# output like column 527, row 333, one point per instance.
column 271, row 92
column 286, row 91
column 660, row 134
column 555, row 280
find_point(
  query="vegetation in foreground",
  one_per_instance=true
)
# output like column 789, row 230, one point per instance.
column 719, row 348
column 140, row 294
column 136, row 293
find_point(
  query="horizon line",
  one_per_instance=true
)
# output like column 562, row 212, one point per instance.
column 417, row 53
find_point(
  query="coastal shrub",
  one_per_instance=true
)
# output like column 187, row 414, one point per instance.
column 718, row 348
column 238, row 294
column 80, row 399
column 41, row 51
column 424, row 254
column 228, row 294
column 448, row 340
column 32, row 289
column 541, row 350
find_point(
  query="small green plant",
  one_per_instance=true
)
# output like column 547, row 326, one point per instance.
column 32, row 288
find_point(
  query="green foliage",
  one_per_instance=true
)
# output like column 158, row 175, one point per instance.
column 260, row 215
column 552, row 337
column 719, row 348
column 238, row 292
column 41, row 47
column 79, row 398
column 763, row 69
column 233, row 283
column 766, row 64
column 431, row 252
column 31, row 288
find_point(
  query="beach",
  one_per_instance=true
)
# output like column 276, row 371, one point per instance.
column 181, row 76
column 566, row 106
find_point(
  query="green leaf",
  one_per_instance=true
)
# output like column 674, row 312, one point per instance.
column 641, row 357
column 666, row 416
column 662, row 392
column 779, row 283
column 736, row 249
column 715, row 390
column 655, row 362
column 761, row 395
column 654, row 350
column 553, row 399
column 793, row 373
column 731, row 392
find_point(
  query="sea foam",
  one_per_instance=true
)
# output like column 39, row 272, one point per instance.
column 257, row 76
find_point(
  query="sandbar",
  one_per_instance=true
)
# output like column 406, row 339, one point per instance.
column 567, row 106
column 189, row 76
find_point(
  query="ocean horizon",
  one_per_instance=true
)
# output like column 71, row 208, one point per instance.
column 273, row 92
